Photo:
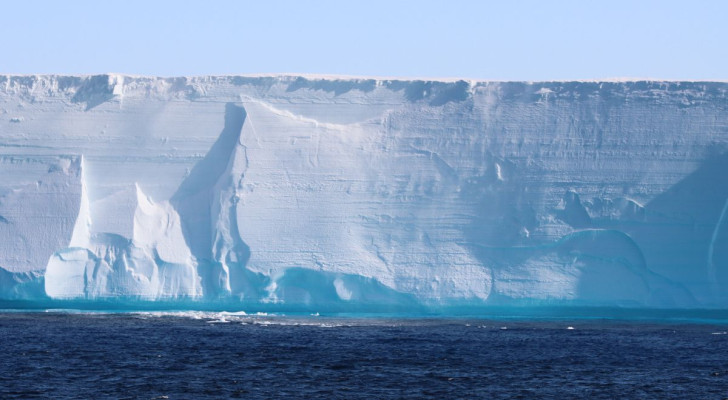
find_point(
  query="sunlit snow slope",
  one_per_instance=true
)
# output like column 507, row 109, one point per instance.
column 349, row 192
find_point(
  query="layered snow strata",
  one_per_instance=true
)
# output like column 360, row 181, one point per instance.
column 348, row 192
column 38, row 206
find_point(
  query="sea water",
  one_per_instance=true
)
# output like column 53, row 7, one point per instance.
column 183, row 355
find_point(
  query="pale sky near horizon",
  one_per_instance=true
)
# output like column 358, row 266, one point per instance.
column 500, row 40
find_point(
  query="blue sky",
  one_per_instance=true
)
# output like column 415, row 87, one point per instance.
column 503, row 40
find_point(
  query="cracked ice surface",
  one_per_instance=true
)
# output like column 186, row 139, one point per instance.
column 321, row 192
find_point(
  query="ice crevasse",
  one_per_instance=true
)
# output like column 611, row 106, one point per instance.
column 348, row 192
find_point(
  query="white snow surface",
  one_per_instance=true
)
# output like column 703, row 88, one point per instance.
column 321, row 191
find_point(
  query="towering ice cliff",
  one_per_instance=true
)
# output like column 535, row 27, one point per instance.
column 315, row 192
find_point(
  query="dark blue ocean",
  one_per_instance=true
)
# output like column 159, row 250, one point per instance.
column 219, row 355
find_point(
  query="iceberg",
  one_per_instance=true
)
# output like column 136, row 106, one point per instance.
column 320, row 193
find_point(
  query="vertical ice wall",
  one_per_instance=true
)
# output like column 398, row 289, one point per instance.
column 349, row 192
column 207, row 203
column 27, row 234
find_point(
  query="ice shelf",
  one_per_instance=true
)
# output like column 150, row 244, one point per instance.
column 324, row 191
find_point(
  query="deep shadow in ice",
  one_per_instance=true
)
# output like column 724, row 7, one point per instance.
column 337, row 86
column 616, row 93
column 211, row 185
column 501, row 210
column 94, row 90
column 192, row 198
column 433, row 92
column 685, row 234
column 533, row 92
column 697, row 198
column 682, row 233
column 245, row 284
column 614, row 267
column 573, row 212
column 322, row 290
column 22, row 285
column 610, row 267
column 262, row 82
column 672, row 252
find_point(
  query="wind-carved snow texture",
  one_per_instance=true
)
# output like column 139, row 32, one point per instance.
column 348, row 194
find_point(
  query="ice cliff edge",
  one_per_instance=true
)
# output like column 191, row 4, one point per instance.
column 315, row 191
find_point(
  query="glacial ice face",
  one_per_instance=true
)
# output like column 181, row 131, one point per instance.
column 150, row 262
column 344, row 193
column 38, row 207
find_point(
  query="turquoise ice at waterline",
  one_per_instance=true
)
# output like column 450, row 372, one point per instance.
column 364, row 195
